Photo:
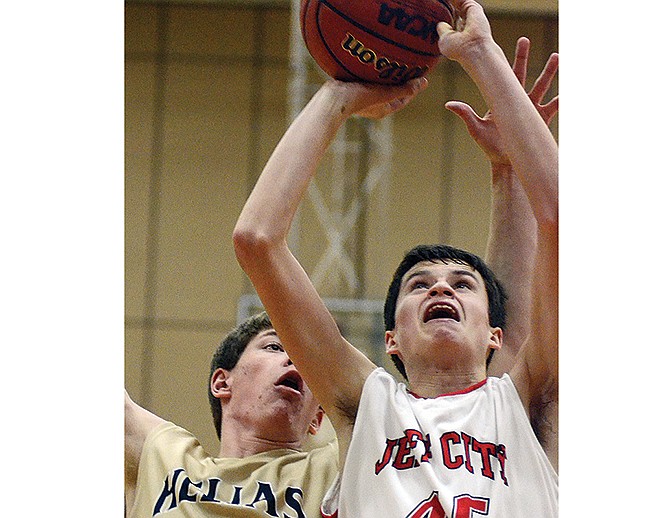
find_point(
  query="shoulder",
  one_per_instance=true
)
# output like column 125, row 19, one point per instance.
column 380, row 385
column 381, row 379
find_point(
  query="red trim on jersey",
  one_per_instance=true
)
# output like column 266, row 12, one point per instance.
column 324, row 515
column 456, row 393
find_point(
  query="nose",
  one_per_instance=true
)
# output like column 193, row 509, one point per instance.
column 288, row 361
column 441, row 288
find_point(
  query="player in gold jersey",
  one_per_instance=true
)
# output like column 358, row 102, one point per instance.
column 264, row 414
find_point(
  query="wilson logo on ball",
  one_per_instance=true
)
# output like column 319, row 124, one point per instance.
column 388, row 69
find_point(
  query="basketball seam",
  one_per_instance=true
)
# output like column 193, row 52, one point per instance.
column 327, row 47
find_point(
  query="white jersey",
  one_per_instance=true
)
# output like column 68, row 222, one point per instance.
column 458, row 455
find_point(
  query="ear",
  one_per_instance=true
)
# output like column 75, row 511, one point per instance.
column 495, row 338
column 315, row 425
column 219, row 384
column 391, row 344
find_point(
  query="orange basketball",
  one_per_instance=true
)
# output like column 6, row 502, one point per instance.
column 378, row 41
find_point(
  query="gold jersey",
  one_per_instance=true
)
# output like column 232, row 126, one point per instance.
column 177, row 478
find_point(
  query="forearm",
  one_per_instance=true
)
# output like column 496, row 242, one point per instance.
column 510, row 253
column 269, row 211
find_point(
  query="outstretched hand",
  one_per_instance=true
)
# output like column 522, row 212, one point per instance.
column 483, row 129
column 374, row 101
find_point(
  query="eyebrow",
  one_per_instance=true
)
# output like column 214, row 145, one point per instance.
column 467, row 273
column 461, row 271
column 267, row 332
column 417, row 273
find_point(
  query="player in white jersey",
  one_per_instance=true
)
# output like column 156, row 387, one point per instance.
column 472, row 450
column 456, row 443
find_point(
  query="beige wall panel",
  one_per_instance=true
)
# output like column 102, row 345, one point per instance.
column 264, row 131
column 518, row 6
column 272, row 114
column 141, row 23
column 380, row 260
column 204, row 31
column 276, row 34
column 468, row 206
column 138, row 148
column 134, row 350
column 202, row 190
column 542, row 33
column 415, row 188
column 407, row 214
column 312, row 242
column 180, row 372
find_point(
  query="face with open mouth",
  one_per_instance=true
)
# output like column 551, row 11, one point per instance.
column 265, row 386
column 441, row 310
column 292, row 382
column 440, row 303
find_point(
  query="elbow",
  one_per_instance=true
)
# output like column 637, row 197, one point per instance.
column 547, row 222
column 546, row 214
column 250, row 245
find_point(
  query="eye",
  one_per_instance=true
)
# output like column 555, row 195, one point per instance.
column 418, row 285
column 274, row 346
column 463, row 285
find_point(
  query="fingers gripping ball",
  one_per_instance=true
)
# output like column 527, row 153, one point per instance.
column 377, row 41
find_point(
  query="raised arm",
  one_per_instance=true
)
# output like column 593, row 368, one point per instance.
column 334, row 370
column 138, row 423
column 510, row 250
column 533, row 153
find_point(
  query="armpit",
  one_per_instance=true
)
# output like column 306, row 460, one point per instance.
column 544, row 421
column 347, row 410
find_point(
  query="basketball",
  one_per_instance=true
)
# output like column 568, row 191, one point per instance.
column 377, row 41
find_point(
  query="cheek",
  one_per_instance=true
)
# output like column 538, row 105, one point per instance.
column 403, row 310
column 249, row 376
column 484, row 312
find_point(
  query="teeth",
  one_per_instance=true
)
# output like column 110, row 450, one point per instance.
column 441, row 311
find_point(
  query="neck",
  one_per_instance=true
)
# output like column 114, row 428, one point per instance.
column 434, row 382
column 240, row 447
column 239, row 440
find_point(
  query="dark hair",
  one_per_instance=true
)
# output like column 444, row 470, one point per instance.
column 441, row 253
column 228, row 354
